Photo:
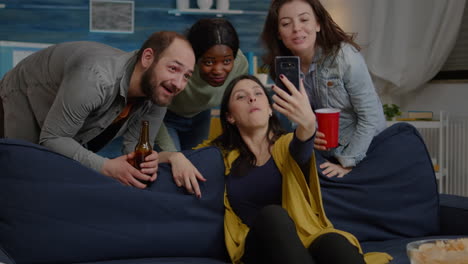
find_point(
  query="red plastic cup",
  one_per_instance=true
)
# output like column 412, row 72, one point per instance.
column 328, row 120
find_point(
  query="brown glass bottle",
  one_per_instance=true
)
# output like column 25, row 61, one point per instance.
column 143, row 148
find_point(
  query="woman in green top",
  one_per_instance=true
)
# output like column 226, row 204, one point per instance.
column 219, row 60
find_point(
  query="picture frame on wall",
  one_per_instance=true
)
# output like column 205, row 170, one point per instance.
column 111, row 16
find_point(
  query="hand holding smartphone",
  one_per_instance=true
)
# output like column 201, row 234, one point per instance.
column 289, row 67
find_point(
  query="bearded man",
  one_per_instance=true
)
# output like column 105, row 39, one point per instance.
column 76, row 97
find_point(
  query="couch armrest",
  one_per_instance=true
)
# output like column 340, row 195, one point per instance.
column 4, row 258
column 453, row 215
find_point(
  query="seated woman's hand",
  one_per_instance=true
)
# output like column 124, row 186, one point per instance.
column 185, row 174
column 331, row 170
column 296, row 107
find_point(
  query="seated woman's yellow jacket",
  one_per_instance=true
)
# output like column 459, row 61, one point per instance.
column 302, row 202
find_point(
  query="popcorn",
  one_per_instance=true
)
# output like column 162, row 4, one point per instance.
column 439, row 251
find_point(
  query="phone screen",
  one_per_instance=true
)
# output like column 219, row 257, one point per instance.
column 289, row 67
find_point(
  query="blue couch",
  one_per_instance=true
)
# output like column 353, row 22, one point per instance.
column 53, row 210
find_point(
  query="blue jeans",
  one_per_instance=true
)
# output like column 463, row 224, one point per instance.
column 187, row 133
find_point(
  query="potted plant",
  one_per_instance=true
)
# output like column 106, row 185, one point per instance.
column 391, row 111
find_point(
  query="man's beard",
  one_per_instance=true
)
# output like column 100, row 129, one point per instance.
column 147, row 88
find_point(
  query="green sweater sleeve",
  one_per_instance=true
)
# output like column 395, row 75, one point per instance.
column 164, row 140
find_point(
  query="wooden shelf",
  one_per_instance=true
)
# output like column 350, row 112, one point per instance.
column 217, row 12
column 419, row 124
column 197, row 11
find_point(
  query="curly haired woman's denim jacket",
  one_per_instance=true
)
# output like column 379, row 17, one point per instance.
column 343, row 81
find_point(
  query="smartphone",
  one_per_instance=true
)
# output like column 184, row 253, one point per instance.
column 289, row 67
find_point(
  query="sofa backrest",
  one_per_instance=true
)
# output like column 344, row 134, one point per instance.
column 54, row 210
column 391, row 194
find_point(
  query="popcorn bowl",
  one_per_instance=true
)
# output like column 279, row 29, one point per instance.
column 438, row 251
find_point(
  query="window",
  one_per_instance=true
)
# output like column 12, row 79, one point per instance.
column 456, row 66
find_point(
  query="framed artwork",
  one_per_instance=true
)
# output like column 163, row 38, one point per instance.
column 111, row 16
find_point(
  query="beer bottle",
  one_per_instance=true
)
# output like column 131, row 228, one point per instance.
column 143, row 148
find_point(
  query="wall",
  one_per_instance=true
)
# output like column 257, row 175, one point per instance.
column 450, row 97
column 53, row 21
column 354, row 16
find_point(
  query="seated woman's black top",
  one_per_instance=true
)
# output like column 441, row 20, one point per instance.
column 252, row 189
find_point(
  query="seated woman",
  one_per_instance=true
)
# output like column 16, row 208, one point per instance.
column 273, row 209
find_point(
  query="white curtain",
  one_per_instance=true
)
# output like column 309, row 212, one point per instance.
column 410, row 40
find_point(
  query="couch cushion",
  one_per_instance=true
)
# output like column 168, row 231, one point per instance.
column 53, row 210
column 453, row 214
column 391, row 194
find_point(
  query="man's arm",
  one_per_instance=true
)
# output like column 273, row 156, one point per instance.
column 164, row 140
column 77, row 97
